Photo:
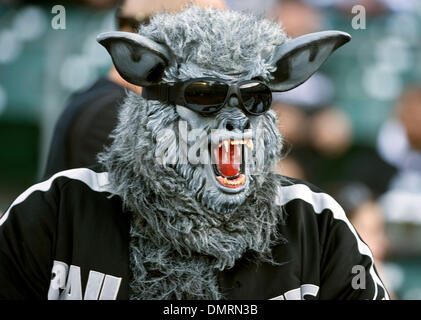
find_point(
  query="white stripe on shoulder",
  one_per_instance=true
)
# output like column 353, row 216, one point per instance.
column 320, row 201
column 96, row 181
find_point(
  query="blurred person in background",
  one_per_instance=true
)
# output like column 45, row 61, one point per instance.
column 320, row 148
column 330, row 132
column 83, row 129
column 399, row 140
column 365, row 214
column 298, row 17
column 292, row 123
column 399, row 143
column 316, row 141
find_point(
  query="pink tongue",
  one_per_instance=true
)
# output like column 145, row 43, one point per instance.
column 229, row 162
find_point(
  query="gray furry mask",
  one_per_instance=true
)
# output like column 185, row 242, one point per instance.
column 187, row 221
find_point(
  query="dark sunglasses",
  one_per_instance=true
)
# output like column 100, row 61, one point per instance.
column 209, row 95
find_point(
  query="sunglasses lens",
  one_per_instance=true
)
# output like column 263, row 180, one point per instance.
column 256, row 96
column 205, row 96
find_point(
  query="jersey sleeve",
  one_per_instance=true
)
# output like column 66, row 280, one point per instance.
column 347, row 264
column 27, row 237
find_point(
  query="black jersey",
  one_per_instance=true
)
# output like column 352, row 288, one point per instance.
column 67, row 238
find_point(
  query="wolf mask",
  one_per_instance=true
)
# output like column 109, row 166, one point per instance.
column 185, row 208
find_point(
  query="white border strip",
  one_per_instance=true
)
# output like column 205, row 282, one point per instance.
column 96, row 181
column 321, row 201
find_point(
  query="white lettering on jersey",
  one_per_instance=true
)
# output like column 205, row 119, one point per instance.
column 93, row 286
column 110, row 288
column 73, row 289
column 66, row 284
column 299, row 293
column 58, row 279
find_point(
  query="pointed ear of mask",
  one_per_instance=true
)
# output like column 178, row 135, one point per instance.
column 138, row 60
column 297, row 59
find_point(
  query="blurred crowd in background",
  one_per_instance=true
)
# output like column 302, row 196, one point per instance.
column 353, row 129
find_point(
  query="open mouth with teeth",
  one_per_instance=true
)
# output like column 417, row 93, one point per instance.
column 229, row 164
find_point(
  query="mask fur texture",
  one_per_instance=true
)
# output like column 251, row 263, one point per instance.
column 178, row 244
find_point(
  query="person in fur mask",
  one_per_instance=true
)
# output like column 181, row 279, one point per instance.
column 185, row 203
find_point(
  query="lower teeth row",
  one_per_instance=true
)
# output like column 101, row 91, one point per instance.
column 232, row 182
